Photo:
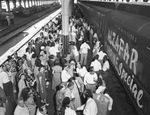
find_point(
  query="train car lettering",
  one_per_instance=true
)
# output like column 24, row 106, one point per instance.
column 126, row 53
column 129, row 80
column 120, row 68
column 121, row 46
column 134, row 90
column 124, row 75
column 132, row 86
column 117, row 43
column 133, row 60
column 139, row 97
column 119, row 51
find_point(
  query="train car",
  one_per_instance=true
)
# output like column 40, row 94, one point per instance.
column 126, row 40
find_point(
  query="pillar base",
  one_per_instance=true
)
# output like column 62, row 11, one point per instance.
column 65, row 42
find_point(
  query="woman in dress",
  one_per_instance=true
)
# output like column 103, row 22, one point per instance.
column 59, row 97
column 57, row 69
column 69, row 93
column 76, row 101
column 21, row 84
column 42, row 83
column 28, row 100
column 96, row 48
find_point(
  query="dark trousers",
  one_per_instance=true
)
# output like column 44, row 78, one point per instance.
column 8, row 89
column 10, row 105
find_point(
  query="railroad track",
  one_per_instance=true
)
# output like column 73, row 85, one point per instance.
column 122, row 102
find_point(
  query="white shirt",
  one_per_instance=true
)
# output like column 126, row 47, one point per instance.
column 101, row 55
column 29, row 55
column 53, row 51
column 4, row 78
column 90, row 107
column 21, row 111
column 38, row 112
column 110, row 101
column 85, row 25
column 84, row 48
column 65, row 76
column 90, row 78
column 81, row 71
column 69, row 111
column 2, row 110
column 73, row 30
column 96, row 65
column 45, row 33
column 95, row 35
column 106, row 66
column 81, row 38
column 75, row 51
column 69, row 93
column 21, row 86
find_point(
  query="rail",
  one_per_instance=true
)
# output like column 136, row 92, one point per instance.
column 37, row 28
column 11, row 28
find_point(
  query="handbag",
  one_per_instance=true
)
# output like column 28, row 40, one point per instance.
column 83, row 100
column 2, row 94
column 80, row 112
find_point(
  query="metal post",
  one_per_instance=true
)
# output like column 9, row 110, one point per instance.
column 24, row 2
column 31, row 3
column 8, row 5
column 65, row 25
column 35, row 3
column 0, row 5
column 19, row 2
column 14, row 3
column 28, row 3
column 71, row 3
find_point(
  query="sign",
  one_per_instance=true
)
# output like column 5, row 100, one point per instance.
column 125, row 58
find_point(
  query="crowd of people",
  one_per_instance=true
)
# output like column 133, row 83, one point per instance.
column 80, row 88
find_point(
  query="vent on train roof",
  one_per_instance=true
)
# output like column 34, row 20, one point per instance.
column 144, row 11
column 110, row 5
column 128, row 8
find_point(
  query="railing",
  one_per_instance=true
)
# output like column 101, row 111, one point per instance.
column 21, row 44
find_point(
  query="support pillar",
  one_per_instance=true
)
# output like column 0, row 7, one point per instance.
column 71, row 3
column 35, row 2
column 31, row 4
column 8, row 5
column 28, row 3
column 65, row 25
column 24, row 2
column 20, row 2
column 39, row 2
column 14, row 3
column 0, row 5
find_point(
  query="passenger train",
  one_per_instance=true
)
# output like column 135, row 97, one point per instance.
column 125, row 36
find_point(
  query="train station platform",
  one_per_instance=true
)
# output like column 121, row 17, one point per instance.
column 6, row 32
column 122, row 103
